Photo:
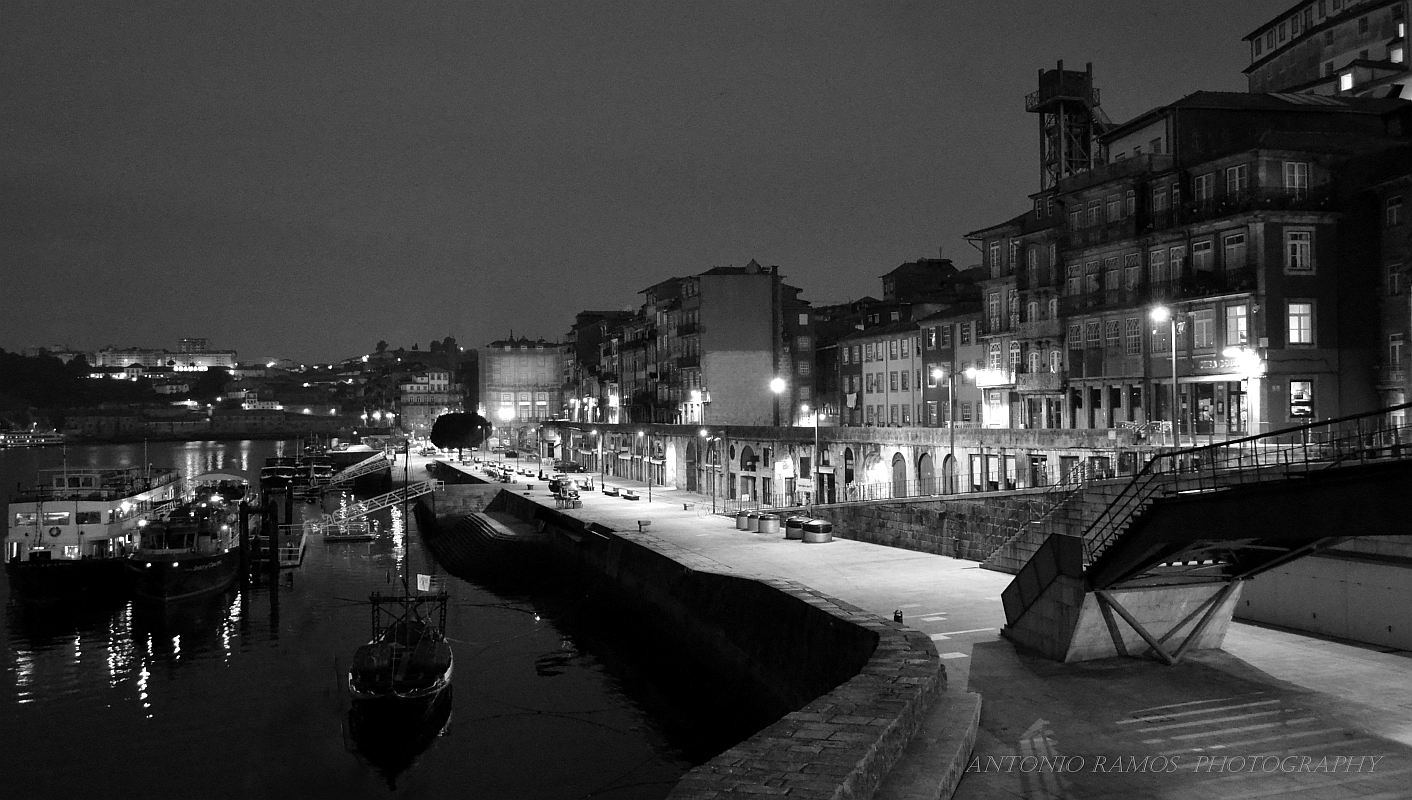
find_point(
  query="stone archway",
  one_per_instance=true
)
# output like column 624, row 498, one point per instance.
column 693, row 482
column 948, row 475
column 926, row 477
column 899, row 475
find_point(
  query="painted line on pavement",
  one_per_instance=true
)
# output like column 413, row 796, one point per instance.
column 1248, row 742
column 953, row 655
column 1176, row 714
column 1261, row 727
column 939, row 637
column 1198, row 702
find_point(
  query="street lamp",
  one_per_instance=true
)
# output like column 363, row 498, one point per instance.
column 646, row 465
column 815, row 491
column 937, row 373
column 1159, row 315
column 777, row 385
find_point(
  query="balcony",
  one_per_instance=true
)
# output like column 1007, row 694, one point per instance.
column 1391, row 378
column 688, row 328
column 1316, row 198
column 1039, row 329
column 1041, row 381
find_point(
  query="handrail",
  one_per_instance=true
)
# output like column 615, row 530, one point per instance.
column 1275, row 455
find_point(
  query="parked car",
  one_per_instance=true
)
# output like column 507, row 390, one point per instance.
column 511, row 454
column 568, row 466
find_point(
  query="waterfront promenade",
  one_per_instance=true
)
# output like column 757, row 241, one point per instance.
column 1275, row 713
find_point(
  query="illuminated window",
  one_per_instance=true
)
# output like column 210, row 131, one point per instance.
column 1301, row 398
column 1345, row 81
column 1237, row 326
column 1300, row 318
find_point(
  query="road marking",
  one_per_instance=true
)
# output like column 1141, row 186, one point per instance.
column 911, row 605
column 1261, row 727
column 1176, row 714
column 933, row 618
column 1198, row 702
column 953, row 655
column 1248, row 742
column 941, row 637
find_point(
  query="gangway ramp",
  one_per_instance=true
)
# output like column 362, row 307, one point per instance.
column 363, row 508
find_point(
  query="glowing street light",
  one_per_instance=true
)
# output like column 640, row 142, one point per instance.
column 777, row 385
column 1159, row 315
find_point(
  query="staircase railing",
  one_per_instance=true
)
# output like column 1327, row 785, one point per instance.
column 367, row 466
column 1379, row 435
column 1042, row 507
column 365, row 507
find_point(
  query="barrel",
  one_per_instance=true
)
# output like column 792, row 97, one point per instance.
column 818, row 531
column 794, row 527
column 769, row 523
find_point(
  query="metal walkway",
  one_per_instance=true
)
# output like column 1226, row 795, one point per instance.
column 363, row 508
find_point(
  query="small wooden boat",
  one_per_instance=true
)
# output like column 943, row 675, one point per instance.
column 408, row 659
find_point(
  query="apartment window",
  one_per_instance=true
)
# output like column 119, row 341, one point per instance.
column 1201, row 259
column 905, row 386
column 1283, row 32
column 1299, row 251
column 1237, row 180
column 1159, row 198
column 1074, row 279
column 803, row 345
column 1114, row 207
column 1237, row 325
column 891, row 349
column 1294, row 27
column 1345, row 83
column 868, row 351
column 1012, row 307
column 1394, row 350
column 892, row 417
column 803, row 319
column 1301, row 399
column 932, row 370
column 1091, row 333
column 804, row 368
column 1111, row 274
column 903, row 343
column 1204, row 329
column 844, row 353
column 1300, row 316
column 946, row 335
column 1259, row 46
column 1032, row 263
column 993, row 310
column 1056, row 361
column 892, row 380
column 965, row 329
column 1394, row 279
column 995, row 258
column 1014, row 256
column 965, row 412
column 1395, row 54
column 1076, row 335
column 1176, row 260
column 1036, row 361
column 994, row 356
column 906, row 415
column 1234, row 246
column 1015, row 356
column 1112, row 335
column 1053, row 254
column 1176, row 194
column 1132, row 329
column 1270, row 39
column 1363, row 24
column 1204, row 188
column 1156, row 146
column 1053, row 308
column 1091, row 276
column 1130, row 202
column 1157, row 265
column 1393, row 215
column 1093, row 208
column 857, row 348
column 1076, row 219
column 1297, row 175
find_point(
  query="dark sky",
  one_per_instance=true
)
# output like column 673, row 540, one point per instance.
column 302, row 179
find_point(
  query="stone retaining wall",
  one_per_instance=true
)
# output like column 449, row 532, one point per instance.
column 858, row 685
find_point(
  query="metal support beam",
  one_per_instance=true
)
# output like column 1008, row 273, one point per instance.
column 1105, row 597
column 1217, row 600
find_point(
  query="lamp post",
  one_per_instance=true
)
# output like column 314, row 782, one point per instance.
column 777, row 385
column 950, row 374
column 816, row 476
column 1159, row 315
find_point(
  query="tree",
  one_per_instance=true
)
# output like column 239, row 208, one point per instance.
column 381, row 347
column 459, row 431
column 211, row 384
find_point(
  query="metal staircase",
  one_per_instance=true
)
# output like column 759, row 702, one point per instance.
column 367, row 466
column 1292, row 453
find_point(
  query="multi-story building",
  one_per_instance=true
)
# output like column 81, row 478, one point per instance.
column 585, row 379
column 422, row 397
column 1221, row 208
column 1391, row 199
column 1333, row 47
column 705, row 349
column 521, row 381
column 886, row 362
column 952, row 352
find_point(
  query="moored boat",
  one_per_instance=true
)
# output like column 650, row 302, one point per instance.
column 193, row 549
column 408, row 660
column 68, row 536
column 30, row 438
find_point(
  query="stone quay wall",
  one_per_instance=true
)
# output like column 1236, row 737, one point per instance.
column 852, row 687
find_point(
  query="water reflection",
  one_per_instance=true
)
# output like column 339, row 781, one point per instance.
column 389, row 736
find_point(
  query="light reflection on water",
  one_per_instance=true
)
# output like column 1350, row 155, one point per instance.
column 259, row 673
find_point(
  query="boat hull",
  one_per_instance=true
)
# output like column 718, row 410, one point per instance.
column 66, row 578
column 176, row 578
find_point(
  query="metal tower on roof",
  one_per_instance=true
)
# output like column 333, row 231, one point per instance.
column 1069, row 123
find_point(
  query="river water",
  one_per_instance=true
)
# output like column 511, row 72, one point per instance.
column 244, row 695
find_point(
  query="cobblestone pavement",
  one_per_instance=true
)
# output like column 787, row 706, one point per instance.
column 1273, row 714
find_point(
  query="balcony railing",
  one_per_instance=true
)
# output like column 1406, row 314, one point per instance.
column 1192, row 284
column 1317, row 198
column 1040, row 329
column 1391, row 377
column 1040, row 381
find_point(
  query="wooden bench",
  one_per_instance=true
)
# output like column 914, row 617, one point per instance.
column 628, row 494
column 643, row 525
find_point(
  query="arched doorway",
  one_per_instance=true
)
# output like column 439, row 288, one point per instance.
column 926, row 478
column 693, row 482
column 948, row 475
column 747, row 481
column 899, row 476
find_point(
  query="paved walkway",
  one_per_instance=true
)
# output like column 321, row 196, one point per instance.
column 1275, row 713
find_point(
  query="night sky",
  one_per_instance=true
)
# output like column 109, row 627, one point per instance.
column 302, row 179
